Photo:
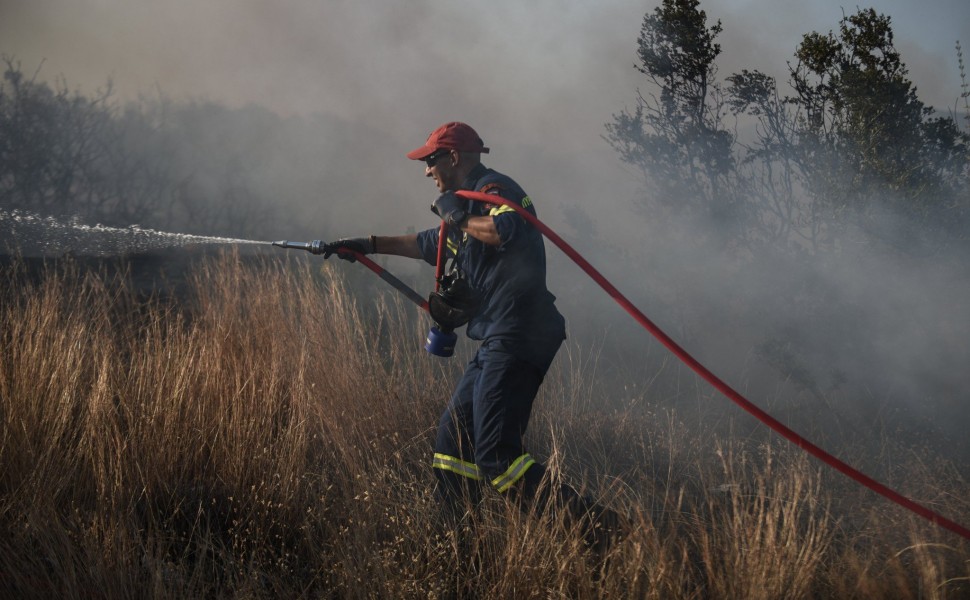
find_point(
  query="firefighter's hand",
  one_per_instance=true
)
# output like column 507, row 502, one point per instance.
column 341, row 247
column 450, row 208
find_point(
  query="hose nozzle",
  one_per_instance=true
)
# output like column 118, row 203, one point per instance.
column 314, row 247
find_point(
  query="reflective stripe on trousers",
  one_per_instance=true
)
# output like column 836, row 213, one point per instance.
column 501, row 483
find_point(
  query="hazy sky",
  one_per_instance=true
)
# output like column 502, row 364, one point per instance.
column 398, row 58
column 537, row 78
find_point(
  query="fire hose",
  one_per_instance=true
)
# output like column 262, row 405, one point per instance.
column 668, row 342
column 316, row 247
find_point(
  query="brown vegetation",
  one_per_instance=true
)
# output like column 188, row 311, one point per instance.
column 270, row 437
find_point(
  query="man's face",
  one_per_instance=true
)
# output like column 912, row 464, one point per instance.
column 442, row 167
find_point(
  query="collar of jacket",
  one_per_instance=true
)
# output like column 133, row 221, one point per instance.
column 477, row 172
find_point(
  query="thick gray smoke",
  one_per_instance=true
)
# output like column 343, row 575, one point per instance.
column 539, row 80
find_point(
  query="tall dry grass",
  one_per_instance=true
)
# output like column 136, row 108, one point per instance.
column 270, row 436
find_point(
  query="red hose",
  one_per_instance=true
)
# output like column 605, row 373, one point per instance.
column 386, row 276
column 442, row 255
column 714, row 380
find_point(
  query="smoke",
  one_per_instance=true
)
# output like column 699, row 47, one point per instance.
column 539, row 80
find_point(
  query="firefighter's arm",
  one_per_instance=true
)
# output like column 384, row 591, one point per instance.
column 482, row 229
column 454, row 211
column 399, row 245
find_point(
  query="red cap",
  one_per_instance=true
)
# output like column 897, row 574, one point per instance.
column 450, row 136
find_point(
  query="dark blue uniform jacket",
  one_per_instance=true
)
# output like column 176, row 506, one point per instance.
column 510, row 277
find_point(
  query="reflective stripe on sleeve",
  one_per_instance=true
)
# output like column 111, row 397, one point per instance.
column 514, row 473
column 456, row 465
column 499, row 210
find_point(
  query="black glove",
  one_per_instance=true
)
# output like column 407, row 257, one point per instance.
column 362, row 245
column 450, row 208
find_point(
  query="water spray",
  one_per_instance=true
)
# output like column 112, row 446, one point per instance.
column 50, row 235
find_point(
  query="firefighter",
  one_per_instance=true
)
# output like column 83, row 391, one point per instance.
column 502, row 260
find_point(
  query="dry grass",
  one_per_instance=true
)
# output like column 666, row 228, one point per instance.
column 270, row 437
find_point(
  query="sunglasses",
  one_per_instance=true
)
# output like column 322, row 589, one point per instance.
column 433, row 158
